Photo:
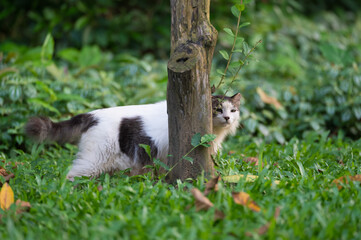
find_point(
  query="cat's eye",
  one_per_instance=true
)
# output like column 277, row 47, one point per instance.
column 219, row 110
column 233, row 110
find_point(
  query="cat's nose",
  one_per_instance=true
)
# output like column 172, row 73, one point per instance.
column 226, row 118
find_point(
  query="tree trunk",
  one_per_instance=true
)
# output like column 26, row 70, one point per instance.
column 189, row 96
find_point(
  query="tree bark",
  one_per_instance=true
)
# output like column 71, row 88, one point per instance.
column 193, row 39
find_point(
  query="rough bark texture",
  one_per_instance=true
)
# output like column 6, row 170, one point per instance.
column 189, row 95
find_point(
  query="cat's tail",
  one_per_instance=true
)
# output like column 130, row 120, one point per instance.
column 43, row 129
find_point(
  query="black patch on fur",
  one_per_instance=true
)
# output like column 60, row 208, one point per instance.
column 83, row 121
column 131, row 134
column 42, row 128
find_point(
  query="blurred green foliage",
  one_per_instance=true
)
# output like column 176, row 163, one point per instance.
column 311, row 65
column 135, row 27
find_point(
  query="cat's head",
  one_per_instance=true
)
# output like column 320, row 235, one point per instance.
column 226, row 111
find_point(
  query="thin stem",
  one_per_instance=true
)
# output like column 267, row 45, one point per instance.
column 242, row 64
column 233, row 46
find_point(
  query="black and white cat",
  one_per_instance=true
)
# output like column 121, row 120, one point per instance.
column 109, row 138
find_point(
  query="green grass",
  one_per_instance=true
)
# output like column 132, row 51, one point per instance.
column 142, row 207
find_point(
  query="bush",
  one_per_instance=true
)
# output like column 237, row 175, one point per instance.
column 311, row 69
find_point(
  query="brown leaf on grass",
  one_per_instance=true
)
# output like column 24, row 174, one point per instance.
column 244, row 199
column 268, row 99
column 345, row 180
column 6, row 196
column 7, row 176
column 100, row 188
column 203, row 203
column 252, row 160
column 22, row 206
column 15, row 164
column 218, row 215
column 212, row 185
column 264, row 228
column 4, row 173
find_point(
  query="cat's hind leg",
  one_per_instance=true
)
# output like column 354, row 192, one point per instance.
column 93, row 158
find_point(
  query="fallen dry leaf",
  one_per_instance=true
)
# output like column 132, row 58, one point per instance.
column 6, row 196
column 218, row 215
column 3, row 172
column 212, row 185
column 268, row 99
column 244, row 199
column 264, row 228
column 248, row 177
column 202, row 202
column 345, row 180
column 252, row 160
column 22, row 206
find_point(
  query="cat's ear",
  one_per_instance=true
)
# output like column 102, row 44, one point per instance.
column 213, row 89
column 236, row 97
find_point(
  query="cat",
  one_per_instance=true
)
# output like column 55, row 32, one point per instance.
column 109, row 138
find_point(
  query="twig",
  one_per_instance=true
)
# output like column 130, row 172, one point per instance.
column 234, row 44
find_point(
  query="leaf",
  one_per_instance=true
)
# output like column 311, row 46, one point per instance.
column 269, row 100
column 162, row 164
column 189, row 159
column 81, row 22
column 235, row 11
column 335, row 54
column 47, row 49
column 90, row 56
column 212, row 185
column 240, row 7
column 43, row 104
column 69, row 54
column 250, row 124
column 245, row 48
column 15, row 92
column 6, row 196
column 196, row 139
column 7, row 176
column 279, row 137
column 244, row 24
column 224, row 54
column 22, row 206
column 202, row 202
column 244, row 199
column 208, row 138
column 344, row 180
column 146, row 149
column 219, row 71
column 248, row 178
column 229, row 31
column 252, row 160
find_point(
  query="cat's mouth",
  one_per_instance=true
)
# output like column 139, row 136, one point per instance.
column 226, row 123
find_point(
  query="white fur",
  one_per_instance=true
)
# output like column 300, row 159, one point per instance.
column 99, row 149
column 223, row 127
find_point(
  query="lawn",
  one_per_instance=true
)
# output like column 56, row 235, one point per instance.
column 146, row 207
